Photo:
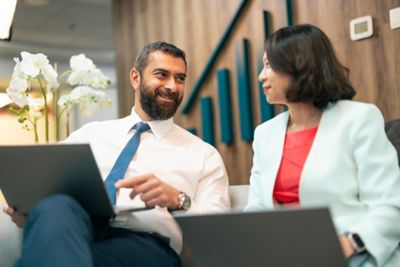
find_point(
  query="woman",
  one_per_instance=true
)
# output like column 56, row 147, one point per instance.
column 326, row 149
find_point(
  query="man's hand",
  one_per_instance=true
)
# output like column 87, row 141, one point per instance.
column 151, row 190
column 18, row 218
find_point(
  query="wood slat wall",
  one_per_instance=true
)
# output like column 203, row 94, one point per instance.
column 374, row 63
column 197, row 25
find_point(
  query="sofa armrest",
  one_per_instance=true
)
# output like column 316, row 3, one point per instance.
column 239, row 196
column 10, row 240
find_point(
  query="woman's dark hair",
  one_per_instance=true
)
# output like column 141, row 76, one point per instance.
column 305, row 53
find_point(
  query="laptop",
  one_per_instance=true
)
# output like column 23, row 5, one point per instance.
column 282, row 238
column 30, row 173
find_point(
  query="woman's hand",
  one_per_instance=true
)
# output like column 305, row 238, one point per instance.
column 18, row 218
column 346, row 245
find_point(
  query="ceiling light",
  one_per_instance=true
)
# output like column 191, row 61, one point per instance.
column 7, row 10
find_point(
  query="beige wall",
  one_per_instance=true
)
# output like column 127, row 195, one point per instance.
column 11, row 132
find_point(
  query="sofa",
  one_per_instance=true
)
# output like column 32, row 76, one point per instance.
column 11, row 236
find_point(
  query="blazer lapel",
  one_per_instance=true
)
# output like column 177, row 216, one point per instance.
column 310, row 178
column 274, row 142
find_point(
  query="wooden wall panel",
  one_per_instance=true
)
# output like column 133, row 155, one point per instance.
column 374, row 63
column 196, row 26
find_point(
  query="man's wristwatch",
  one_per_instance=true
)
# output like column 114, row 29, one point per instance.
column 356, row 242
column 184, row 201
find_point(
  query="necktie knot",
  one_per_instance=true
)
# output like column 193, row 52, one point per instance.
column 142, row 127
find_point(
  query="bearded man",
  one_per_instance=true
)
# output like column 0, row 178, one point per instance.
column 170, row 170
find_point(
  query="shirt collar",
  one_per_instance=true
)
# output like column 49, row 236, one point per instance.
column 158, row 127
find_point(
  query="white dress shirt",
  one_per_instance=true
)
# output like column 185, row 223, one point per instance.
column 174, row 155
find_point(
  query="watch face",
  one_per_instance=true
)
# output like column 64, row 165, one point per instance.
column 185, row 201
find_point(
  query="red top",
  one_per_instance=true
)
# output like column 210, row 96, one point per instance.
column 295, row 151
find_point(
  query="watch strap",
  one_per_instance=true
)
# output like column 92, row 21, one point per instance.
column 356, row 242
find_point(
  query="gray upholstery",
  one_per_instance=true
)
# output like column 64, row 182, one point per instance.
column 239, row 195
column 392, row 129
column 10, row 239
column 10, row 235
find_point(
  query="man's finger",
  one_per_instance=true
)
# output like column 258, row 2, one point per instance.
column 10, row 211
column 133, row 194
column 156, row 202
column 150, row 195
column 146, row 186
column 132, row 181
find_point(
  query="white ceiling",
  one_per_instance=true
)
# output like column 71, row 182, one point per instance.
column 62, row 28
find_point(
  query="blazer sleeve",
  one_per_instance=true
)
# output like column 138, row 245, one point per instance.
column 255, row 190
column 379, row 185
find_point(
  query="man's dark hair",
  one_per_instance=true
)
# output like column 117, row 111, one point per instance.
column 305, row 53
column 143, row 55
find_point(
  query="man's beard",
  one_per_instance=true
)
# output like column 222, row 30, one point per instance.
column 154, row 108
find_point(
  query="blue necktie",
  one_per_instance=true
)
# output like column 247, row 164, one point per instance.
column 121, row 164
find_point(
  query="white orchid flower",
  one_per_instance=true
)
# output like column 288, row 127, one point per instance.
column 35, row 104
column 94, row 78
column 79, row 92
column 76, row 77
column 90, row 102
column 64, row 101
column 87, row 108
column 76, row 95
column 19, row 98
column 84, row 72
column 32, row 64
column 50, row 75
column 18, row 85
column 17, row 73
column 35, row 114
column 97, row 79
column 81, row 63
column 17, row 91
column 87, row 98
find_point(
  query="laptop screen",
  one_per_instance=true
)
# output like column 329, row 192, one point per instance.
column 283, row 238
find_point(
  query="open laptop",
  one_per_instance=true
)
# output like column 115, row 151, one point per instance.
column 32, row 172
column 283, row 238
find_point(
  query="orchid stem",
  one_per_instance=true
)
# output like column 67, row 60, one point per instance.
column 56, row 95
column 67, row 126
column 46, row 110
column 35, row 132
